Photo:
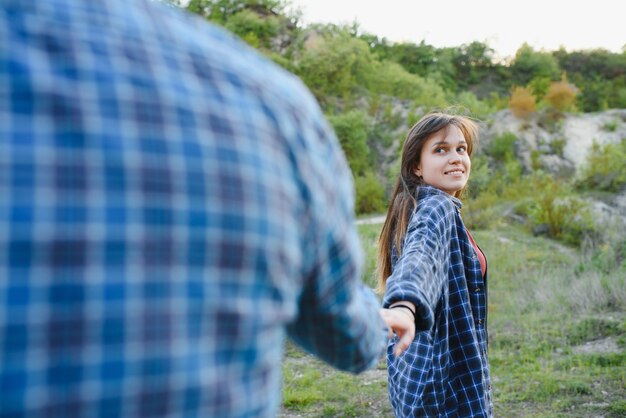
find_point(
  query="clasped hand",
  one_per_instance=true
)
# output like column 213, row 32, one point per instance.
column 402, row 323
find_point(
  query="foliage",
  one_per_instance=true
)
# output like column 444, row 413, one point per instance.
column 254, row 29
column 473, row 63
column 552, row 204
column 599, row 75
column 551, row 119
column 529, row 64
column 605, row 169
column 352, row 129
column 502, row 147
column 561, row 95
column 479, row 109
column 539, row 86
column 415, row 58
column 336, row 65
column 221, row 11
column 522, row 102
column 392, row 79
column 370, row 194
column 610, row 126
column 558, row 146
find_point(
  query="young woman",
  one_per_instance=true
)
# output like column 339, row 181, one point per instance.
column 430, row 269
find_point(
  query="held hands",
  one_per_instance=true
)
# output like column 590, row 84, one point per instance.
column 400, row 319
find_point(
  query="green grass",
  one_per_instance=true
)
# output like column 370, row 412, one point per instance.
column 312, row 388
column 557, row 335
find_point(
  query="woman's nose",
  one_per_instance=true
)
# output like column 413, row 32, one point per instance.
column 456, row 158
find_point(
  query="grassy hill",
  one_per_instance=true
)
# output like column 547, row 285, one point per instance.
column 557, row 332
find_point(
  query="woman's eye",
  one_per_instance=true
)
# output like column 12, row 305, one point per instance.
column 461, row 149
column 439, row 150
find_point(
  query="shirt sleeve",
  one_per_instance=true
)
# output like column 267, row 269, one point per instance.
column 338, row 316
column 421, row 271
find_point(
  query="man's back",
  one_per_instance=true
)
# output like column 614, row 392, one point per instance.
column 171, row 204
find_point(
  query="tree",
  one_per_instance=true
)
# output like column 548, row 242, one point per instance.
column 258, row 22
column 473, row 63
column 416, row 59
column 219, row 11
column 336, row 64
column 529, row 64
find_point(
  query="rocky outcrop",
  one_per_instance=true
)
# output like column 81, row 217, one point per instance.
column 561, row 146
column 562, row 142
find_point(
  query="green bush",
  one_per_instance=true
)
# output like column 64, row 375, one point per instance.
column 610, row 126
column 337, row 65
column 352, row 129
column 389, row 78
column 605, row 169
column 554, row 205
column 558, row 146
column 502, row 147
column 482, row 212
column 551, row 120
column 478, row 108
column 370, row 194
column 254, row 29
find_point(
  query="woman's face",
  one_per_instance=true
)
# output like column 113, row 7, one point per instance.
column 444, row 161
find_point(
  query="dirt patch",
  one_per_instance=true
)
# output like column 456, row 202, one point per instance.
column 603, row 346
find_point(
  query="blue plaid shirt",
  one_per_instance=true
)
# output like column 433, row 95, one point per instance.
column 444, row 373
column 172, row 205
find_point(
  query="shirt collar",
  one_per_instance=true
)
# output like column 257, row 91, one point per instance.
column 427, row 190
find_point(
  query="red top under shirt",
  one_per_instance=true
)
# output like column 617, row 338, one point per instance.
column 479, row 253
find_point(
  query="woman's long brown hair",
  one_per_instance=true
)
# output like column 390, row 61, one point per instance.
column 403, row 199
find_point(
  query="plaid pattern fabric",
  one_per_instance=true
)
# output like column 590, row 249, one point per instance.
column 445, row 371
column 171, row 206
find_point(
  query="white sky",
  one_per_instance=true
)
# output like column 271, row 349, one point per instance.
column 504, row 25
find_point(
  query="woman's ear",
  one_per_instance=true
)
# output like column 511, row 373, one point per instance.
column 417, row 171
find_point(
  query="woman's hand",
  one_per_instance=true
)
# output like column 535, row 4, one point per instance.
column 402, row 323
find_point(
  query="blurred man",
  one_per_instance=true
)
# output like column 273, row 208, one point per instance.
column 172, row 205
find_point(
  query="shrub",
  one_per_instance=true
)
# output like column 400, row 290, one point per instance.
column 254, row 29
column 522, row 102
column 337, row 65
column 539, row 86
column 392, row 79
column 561, row 95
column 478, row 108
column 558, row 146
column 551, row 120
column 370, row 194
column 566, row 217
column 610, row 126
column 502, row 147
column 483, row 211
column 535, row 159
column 352, row 129
column 605, row 169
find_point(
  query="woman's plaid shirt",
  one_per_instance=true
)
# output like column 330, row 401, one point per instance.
column 445, row 371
